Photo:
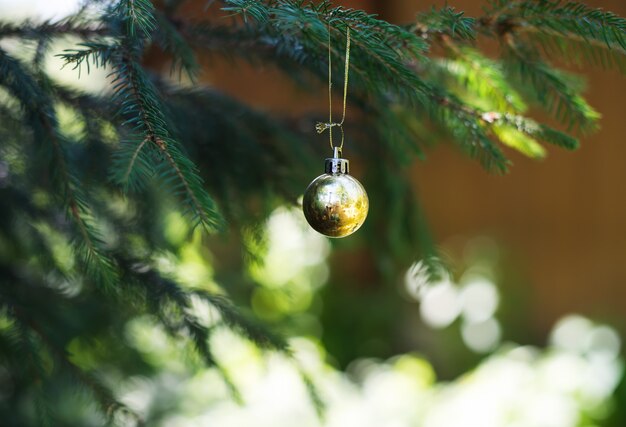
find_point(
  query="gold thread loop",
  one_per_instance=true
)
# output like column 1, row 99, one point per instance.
column 321, row 126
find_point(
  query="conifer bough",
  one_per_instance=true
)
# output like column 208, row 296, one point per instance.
column 81, row 226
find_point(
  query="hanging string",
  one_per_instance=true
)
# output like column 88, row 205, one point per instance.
column 320, row 126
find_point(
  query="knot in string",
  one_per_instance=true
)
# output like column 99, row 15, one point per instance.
column 320, row 127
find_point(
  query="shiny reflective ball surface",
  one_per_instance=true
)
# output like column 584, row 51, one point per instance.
column 335, row 205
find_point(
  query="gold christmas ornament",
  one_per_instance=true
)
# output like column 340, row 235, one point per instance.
column 335, row 204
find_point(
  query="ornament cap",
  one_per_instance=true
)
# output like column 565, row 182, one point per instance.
column 336, row 165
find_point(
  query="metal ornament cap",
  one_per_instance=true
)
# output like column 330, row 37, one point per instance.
column 335, row 204
column 336, row 165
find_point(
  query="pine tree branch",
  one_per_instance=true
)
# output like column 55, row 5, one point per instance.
column 133, row 159
column 140, row 102
column 97, row 54
column 232, row 318
column 402, row 93
column 261, row 150
column 49, row 29
column 575, row 48
column 378, row 45
column 314, row 394
column 172, row 41
column 551, row 87
column 22, row 355
column 444, row 22
column 567, row 25
column 563, row 27
column 29, row 326
column 137, row 16
column 41, row 117
column 140, row 98
column 482, row 77
column 402, row 81
column 522, row 134
column 200, row 337
column 160, row 292
column 568, row 18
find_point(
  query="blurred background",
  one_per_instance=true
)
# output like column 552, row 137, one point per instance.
column 562, row 219
column 526, row 329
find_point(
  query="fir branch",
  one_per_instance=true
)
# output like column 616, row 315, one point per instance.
column 469, row 127
column 522, row 133
column 554, row 90
column 161, row 292
column 444, row 21
column 251, row 330
column 480, row 77
column 140, row 102
column 41, row 117
column 395, row 75
column 23, row 349
column 260, row 151
column 137, row 16
column 98, row 54
column 569, row 18
column 173, row 42
column 467, row 124
column 519, row 141
column 200, row 337
column 96, row 264
column 29, row 327
column 252, row 9
column 49, row 29
column 556, row 137
column 474, row 127
column 23, row 87
column 23, row 354
column 379, row 49
column 567, row 27
column 577, row 50
column 403, row 131
column 314, row 394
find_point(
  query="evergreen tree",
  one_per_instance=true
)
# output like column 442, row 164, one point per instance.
column 87, row 180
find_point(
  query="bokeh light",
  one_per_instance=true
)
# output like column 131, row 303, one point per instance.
column 567, row 384
column 440, row 304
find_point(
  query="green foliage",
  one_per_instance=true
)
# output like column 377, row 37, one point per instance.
column 558, row 92
column 83, row 228
column 96, row 54
column 481, row 81
column 564, row 29
column 566, row 19
column 446, row 21
column 173, row 42
column 137, row 16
